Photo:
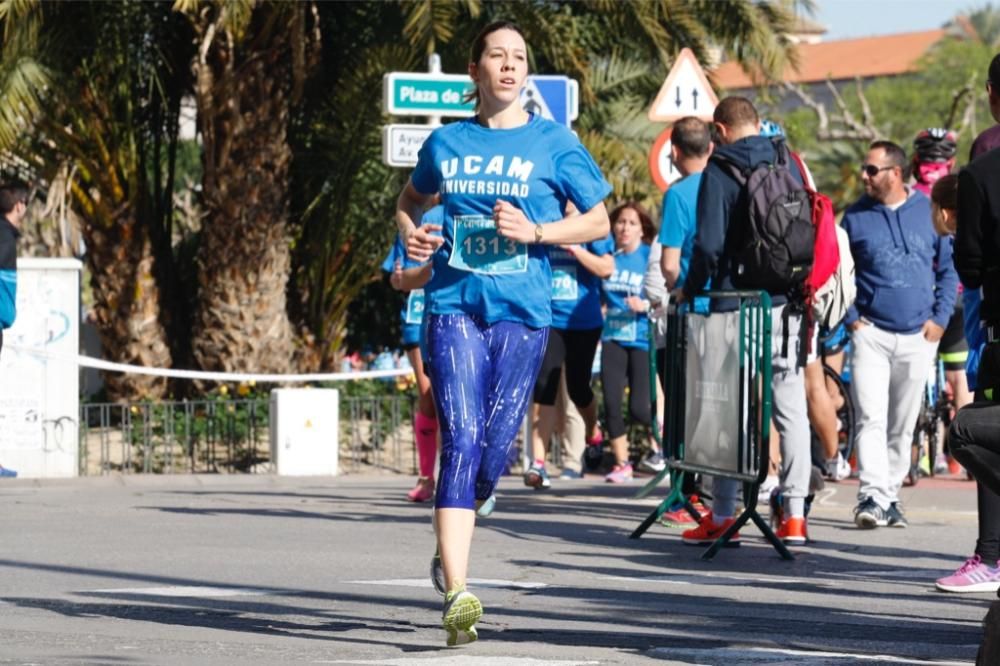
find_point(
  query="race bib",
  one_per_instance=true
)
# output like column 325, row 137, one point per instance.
column 564, row 284
column 415, row 307
column 620, row 326
column 479, row 249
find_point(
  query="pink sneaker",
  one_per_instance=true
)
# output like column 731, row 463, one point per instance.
column 423, row 491
column 973, row 576
column 620, row 473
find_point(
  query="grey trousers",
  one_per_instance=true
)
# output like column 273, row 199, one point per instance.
column 791, row 418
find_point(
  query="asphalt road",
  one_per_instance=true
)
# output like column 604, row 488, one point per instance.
column 263, row 570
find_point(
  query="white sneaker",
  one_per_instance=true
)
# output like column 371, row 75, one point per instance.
column 838, row 469
column 770, row 483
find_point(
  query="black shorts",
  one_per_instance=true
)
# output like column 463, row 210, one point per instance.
column 576, row 349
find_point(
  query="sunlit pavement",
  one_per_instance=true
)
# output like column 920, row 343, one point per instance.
column 266, row 570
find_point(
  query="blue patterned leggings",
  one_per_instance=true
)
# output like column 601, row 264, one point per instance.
column 482, row 378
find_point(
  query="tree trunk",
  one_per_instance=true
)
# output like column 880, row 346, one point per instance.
column 127, row 304
column 244, row 91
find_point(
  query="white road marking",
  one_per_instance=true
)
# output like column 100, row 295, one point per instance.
column 464, row 660
column 477, row 582
column 189, row 591
column 688, row 578
column 746, row 655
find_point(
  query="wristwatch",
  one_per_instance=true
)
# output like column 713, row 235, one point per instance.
column 538, row 233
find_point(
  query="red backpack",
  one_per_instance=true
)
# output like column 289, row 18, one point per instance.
column 826, row 254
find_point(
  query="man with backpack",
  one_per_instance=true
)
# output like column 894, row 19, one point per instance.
column 755, row 231
column 907, row 287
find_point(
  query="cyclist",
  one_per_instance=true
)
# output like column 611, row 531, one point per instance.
column 933, row 157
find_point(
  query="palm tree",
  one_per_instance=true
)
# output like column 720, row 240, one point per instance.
column 93, row 86
column 251, row 63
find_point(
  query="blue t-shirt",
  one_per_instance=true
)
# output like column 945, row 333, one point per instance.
column 621, row 324
column 677, row 225
column 576, row 292
column 537, row 167
column 413, row 307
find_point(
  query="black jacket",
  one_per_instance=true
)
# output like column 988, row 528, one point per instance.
column 977, row 241
column 723, row 216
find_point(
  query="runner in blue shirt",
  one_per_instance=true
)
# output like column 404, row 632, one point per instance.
column 504, row 177
column 410, row 276
column 577, row 271
column 625, row 340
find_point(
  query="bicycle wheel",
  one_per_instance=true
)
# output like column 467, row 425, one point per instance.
column 845, row 415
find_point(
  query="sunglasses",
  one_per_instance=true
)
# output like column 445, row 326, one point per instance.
column 873, row 170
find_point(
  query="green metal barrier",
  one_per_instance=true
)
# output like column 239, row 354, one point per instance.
column 750, row 464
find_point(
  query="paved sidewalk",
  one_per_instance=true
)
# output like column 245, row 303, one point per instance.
column 261, row 570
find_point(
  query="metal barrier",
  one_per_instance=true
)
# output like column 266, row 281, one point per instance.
column 733, row 406
column 189, row 436
column 232, row 436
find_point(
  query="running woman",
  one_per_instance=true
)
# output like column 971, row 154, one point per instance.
column 504, row 176
column 625, row 339
column 410, row 276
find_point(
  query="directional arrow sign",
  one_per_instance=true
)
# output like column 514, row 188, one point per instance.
column 685, row 92
column 400, row 143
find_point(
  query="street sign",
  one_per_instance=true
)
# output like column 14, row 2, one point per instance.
column 685, row 92
column 661, row 166
column 552, row 97
column 423, row 94
column 400, row 143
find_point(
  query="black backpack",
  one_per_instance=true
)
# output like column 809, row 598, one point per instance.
column 776, row 251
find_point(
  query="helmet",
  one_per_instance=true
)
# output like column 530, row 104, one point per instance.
column 935, row 144
column 769, row 128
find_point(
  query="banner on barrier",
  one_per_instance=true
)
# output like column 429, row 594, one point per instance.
column 712, row 409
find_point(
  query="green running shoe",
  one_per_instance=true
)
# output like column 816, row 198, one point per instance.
column 461, row 612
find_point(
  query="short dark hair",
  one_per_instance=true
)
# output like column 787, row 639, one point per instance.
column 896, row 155
column 944, row 192
column 648, row 226
column 12, row 193
column 993, row 74
column 735, row 112
column 691, row 136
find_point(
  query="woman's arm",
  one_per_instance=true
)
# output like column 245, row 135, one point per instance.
column 420, row 243
column 410, row 278
column 582, row 228
column 600, row 265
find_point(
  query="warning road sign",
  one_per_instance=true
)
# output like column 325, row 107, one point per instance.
column 685, row 92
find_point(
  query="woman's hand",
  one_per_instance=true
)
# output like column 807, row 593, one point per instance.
column 396, row 279
column 421, row 243
column 511, row 222
column 636, row 304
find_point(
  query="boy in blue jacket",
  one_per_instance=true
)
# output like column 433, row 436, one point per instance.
column 907, row 288
column 13, row 204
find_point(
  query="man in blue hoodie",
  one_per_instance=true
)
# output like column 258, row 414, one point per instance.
column 13, row 204
column 907, row 288
column 723, row 220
